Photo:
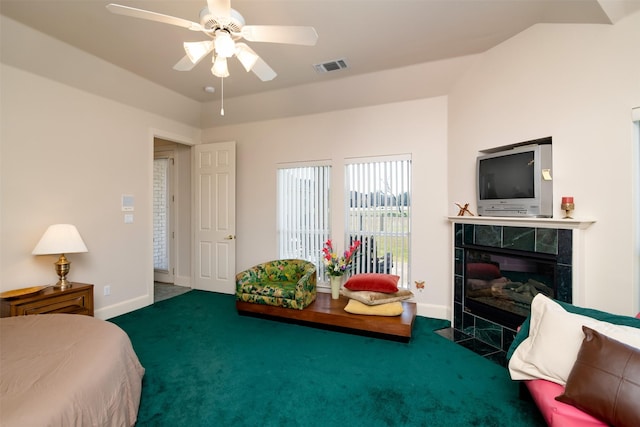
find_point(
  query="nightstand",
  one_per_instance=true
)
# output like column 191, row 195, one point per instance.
column 78, row 299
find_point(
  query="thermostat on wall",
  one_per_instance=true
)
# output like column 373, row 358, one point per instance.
column 128, row 203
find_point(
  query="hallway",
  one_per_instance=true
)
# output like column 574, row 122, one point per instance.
column 163, row 291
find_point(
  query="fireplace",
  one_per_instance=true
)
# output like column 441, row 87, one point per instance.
column 500, row 284
column 497, row 270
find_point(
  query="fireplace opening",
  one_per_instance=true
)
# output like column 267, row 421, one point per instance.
column 500, row 284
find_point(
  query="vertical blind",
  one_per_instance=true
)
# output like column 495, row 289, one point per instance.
column 303, row 212
column 378, row 213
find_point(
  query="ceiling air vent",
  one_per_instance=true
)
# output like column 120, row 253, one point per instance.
column 338, row 64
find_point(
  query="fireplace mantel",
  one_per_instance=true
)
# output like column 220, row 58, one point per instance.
column 570, row 224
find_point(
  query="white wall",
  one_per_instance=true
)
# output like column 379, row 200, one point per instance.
column 69, row 156
column 35, row 52
column 414, row 127
column 183, row 204
column 578, row 84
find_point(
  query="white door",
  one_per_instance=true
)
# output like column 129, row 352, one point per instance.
column 214, row 218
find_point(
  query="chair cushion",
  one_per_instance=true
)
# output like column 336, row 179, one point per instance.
column 273, row 289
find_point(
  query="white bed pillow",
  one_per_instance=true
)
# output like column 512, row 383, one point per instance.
column 555, row 337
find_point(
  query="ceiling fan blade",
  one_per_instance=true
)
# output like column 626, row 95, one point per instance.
column 280, row 34
column 185, row 64
column 219, row 8
column 263, row 71
column 153, row 16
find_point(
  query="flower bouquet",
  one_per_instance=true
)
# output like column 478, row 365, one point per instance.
column 337, row 265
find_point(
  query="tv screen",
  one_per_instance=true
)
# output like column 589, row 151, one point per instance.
column 507, row 177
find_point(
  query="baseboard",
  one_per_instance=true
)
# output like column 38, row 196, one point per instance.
column 433, row 311
column 182, row 281
column 123, row 307
column 424, row 310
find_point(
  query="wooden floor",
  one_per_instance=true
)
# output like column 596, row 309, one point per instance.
column 329, row 313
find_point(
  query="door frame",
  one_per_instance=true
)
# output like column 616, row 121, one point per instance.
column 178, row 139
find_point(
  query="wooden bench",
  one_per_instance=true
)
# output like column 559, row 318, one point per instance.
column 329, row 313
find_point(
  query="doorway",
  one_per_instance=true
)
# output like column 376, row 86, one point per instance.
column 172, row 213
column 163, row 250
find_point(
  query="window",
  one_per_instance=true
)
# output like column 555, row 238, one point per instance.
column 378, row 213
column 303, row 213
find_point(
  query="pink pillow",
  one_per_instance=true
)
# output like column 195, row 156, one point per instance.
column 375, row 282
column 483, row 270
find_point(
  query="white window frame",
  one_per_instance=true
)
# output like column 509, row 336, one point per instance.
column 388, row 178
column 304, row 212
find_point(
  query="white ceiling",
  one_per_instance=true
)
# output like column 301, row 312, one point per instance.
column 371, row 35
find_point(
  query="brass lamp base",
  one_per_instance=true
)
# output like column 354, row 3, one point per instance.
column 567, row 208
column 63, row 265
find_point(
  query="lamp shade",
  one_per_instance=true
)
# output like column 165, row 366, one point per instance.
column 246, row 56
column 197, row 50
column 219, row 68
column 224, row 44
column 60, row 239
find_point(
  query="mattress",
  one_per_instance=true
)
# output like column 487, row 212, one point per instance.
column 67, row 370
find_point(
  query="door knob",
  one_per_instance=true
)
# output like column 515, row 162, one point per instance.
column 230, row 237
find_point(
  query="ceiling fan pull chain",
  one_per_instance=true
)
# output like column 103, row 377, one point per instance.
column 222, row 96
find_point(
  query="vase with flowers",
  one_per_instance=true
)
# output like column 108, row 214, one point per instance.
column 337, row 266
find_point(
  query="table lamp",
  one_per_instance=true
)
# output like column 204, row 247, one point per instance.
column 61, row 239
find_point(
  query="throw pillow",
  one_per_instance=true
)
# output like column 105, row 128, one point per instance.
column 376, row 282
column 377, row 298
column 605, row 380
column 554, row 340
column 616, row 319
column 389, row 309
column 483, row 270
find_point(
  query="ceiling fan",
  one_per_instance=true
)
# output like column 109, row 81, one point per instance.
column 225, row 27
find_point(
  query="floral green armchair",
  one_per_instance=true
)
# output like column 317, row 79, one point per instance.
column 289, row 283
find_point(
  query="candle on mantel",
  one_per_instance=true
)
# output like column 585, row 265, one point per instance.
column 567, row 200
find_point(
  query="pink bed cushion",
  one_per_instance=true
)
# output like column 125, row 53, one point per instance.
column 558, row 414
column 375, row 282
column 483, row 270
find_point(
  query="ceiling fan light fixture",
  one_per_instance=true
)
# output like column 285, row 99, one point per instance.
column 220, row 68
column 197, row 50
column 224, row 44
column 246, row 56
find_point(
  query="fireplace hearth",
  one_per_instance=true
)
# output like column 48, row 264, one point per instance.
column 497, row 272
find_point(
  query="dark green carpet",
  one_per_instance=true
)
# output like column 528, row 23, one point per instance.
column 208, row 366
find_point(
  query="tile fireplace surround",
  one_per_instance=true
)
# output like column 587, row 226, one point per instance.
column 520, row 236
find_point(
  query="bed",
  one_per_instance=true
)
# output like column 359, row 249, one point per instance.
column 67, row 370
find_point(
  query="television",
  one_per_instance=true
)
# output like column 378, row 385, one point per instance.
column 516, row 181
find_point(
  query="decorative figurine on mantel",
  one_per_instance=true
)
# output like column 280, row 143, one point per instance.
column 464, row 209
